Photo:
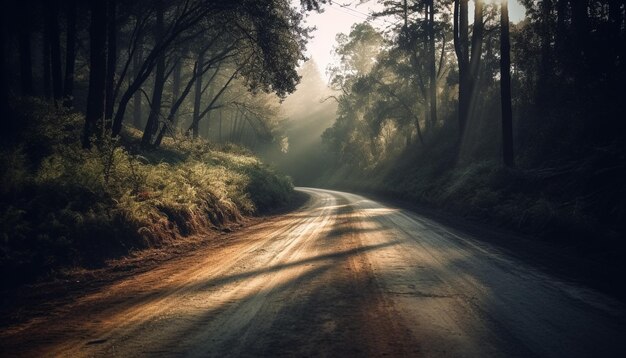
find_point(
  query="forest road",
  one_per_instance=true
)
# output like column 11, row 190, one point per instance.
column 341, row 276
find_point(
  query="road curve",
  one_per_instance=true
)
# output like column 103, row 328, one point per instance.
column 341, row 276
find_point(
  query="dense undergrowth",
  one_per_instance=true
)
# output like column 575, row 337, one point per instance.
column 578, row 203
column 61, row 205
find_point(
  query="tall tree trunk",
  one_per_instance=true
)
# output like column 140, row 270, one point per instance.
column 97, row 61
column 622, row 62
column 47, row 80
column 561, row 29
column 177, row 100
column 461, row 44
column 615, row 27
column 425, row 68
column 580, row 23
column 546, row 69
column 111, row 61
column 137, row 120
column 176, row 84
column 52, row 23
column 70, row 54
column 159, row 82
column 5, row 121
column 188, row 18
column 24, row 39
column 505, row 87
column 197, row 99
column 432, row 66
column 478, row 29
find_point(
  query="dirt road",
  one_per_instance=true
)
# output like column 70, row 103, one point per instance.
column 342, row 276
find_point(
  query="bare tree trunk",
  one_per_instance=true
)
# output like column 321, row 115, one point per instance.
column 111, row 61
column 95, row 97
column 159, row 82
column 24, row 39
column 432, row 66
column 478, row 29
column 425, row 68
column 52, row 23
column 70, row 54
column 505, row 87
column 200, row 68
column 5, row 121
column 197, row 99
column 461, row 44
column 47, row 80
column 561, row 28
column 137, row 96
column 622, row 41
column 187, row 17
column 615, row 27
column 542, row 91
column 177, row 100
column 176, row 84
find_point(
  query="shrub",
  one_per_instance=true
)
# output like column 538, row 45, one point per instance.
column 61, row 205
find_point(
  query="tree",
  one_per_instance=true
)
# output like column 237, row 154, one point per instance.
column 197, row 95
column 418, row 35
column 4, row 87
column 24, row 38
column 159, row 80
column 70, row 54
column 199, row 70
column 97, row 63
column 432, row 67
column 468, row 63
column 505, row 87
column 111, row 61
column 52, row 29
column 45, row 57
column 137, row 97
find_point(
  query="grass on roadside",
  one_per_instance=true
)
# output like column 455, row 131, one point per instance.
column 61, row 205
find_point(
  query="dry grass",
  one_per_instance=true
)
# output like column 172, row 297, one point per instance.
column 61, row 205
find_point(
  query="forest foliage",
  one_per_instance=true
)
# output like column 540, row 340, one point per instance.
column 422, row 114
column 63, row 206
column 125, row 123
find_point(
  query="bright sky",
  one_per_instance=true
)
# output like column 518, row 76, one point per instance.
column 339, row 17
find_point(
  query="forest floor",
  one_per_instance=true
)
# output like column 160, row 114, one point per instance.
column 33, row 301
column 340, row 276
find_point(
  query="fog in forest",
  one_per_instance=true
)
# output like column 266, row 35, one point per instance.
column 308, row 112
column 128, row 126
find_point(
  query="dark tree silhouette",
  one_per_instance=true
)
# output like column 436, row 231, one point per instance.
column 54, row 36
column 70, row 53
column 197, row 101
column 45, row 58
column 4, row 87
column 24, row 38
column 505, row 87
column 97, row 62
column 111, row 60
column 468, row 62
column 432, row 67
column 137, row 98
column 159, row 81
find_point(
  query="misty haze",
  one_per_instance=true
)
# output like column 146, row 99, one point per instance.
column 297, row 178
